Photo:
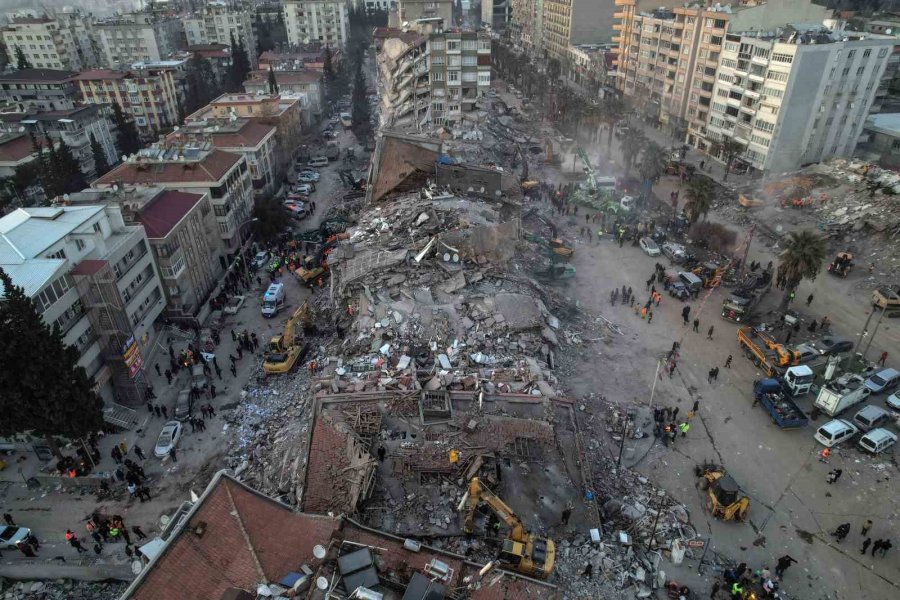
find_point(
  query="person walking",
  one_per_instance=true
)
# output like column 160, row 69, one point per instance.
column 9, row 519
column 696, row 325
column 116, row 455
column 841, row 532
column 714, row 593
column 866, row 545
column 75, row 543
column 876, row 546
column 165, row 411
column 25, row 549
column 882, row 358
column 139, row 532
column 172, row 454
column 233, row 370
column 566, row 514
column 709, row 376
column 783, row 564
column 809, row 299
column 684, row 428
column 728, row 361
column 139, row 453
column 834, row 475
column 158, row 372
column 710, row 332
column 866, row 527
column 168, row 376
column 885, row 546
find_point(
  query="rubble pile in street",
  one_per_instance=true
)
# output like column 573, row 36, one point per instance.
column 60, row 589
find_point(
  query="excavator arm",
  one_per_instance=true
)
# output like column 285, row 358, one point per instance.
column 478, row 492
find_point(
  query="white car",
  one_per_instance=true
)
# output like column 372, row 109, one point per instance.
column 168, row 439
column 834, row 432
column 306, row 179
column 649, row 246
column 893, row 402
column 260, row 260
column 10, row 536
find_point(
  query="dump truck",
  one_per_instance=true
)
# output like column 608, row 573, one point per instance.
column 739, row 305
column 785, row 413
column 770, row 356
column 837, row 396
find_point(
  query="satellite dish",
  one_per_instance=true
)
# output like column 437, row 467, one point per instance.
column 322, row 583
column 66, row 197
column 21, row 128
column 115, row 187
column 124, row 158
column 177, row 128
column 319, row 551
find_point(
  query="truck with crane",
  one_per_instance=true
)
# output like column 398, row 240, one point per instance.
column 738, row 306
column 284, row 350
column 521, row 551
column 770, row 356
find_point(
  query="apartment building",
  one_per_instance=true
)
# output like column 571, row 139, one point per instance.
column 254, row 141
column 496, row 13
column 216, row 23
column 459, row 63
column 93, row 276
column 410, row 11
column 196, row 169
column 74, row 126
column 324, row 21
column 45, row 44
column 795, row 97
column 574, row 22
column 668, row 57
column 137, row 37
column 39, row 89
column 289, row 114
column 303, row 82
column 527, row 24
column 184, row 237
column 149, row 95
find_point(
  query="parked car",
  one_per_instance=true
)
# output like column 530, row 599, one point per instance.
column 871, row 417
column 198, row 377
column 304, row 189
column 10, row 536
column 311, row 173
column 184, row 406
column 306, row 179
column 893, row 402
column 168, row 438
column 677, row 289
column 807, row 353
column 884, row 380
column 674, row 252
column 259, row 261
column 834, row 432
column 877, row 440
column 649, row 246
column 318, row 161
column 828, row 346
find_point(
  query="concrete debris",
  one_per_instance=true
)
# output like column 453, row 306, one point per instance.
column 60, row 589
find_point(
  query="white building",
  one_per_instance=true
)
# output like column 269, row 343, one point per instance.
column 794, row 98
column 44, row 42
column 137, row 37
column 217, row 22
column 61, row 256
column 324, row 21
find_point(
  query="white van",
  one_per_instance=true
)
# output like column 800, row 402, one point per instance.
column 834, row 432
column 877, row 440
column 318, row 161
column 273, row 300
column 871, row 417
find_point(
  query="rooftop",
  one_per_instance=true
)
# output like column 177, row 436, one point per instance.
column 225, row 133
column 15, row 148
column 886, row 123
column 30, row 75
column 97, row 74
column 164, row 212
column 208, row 168
column 284, row 77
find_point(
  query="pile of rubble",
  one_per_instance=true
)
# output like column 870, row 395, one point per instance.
column 60, row 589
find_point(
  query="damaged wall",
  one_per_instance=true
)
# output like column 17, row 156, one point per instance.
column 470, row 180
column 497, row 243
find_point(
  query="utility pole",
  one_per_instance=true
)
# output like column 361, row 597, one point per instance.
column 629, row 416
column 865, row 331
column 874, row 331
column 660, row 494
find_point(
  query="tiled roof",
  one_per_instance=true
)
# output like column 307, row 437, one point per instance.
column 99, row 74
column 165, row 211
column 211, row 168
column 88, row 267
column 36, row 75
column 250, row 135
column 15, row 149
column 327, row 455
column 247, row 539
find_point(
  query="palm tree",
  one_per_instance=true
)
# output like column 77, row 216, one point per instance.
column 612, row 110
column 653, row 162
column 802, row 258
column 728, row 149
column 632, row 146
column 700, row 196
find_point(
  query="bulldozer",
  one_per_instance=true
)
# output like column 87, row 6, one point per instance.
column 522, row 551
column 723, row 495
column 284, row 350
column 309, row 272
column 841, row 265
column 709, row 273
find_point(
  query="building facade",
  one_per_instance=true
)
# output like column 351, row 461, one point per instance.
column 496, row 13
column 43, row 41
column 137, row 37
column 573, row 22
column 92, row 275
column 217, row 22
column 409, row 11
column 527, row 24
column 459, row 64
column 794, row 99
column 323, row 21
column 150, row 96
column 196, row 169
column 301, row 82
column 39, row 89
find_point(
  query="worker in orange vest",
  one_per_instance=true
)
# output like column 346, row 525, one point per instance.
column 824, row 457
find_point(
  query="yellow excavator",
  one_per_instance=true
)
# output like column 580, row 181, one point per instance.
column 284, row 350
column 522, row 551
column 723, row 495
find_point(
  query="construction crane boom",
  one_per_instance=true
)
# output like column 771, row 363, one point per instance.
column 478, row 492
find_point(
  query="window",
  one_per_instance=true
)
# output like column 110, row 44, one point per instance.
column 778, row 76
column 867, row 53
column 722, row 93
column 764, row 126
column 860, row 70
column 79, row 245
column 771, row 92
column 437, row 60
column 452, row 45
column 470, row 76
column 484, row 78
column 725, row 77
column 437, row 45
column 469, row 45
column 470, row 60
column 882, row 53
column 59, row 254
column 758, row 139
column 438, row 76
column 783, row 58
column 718, row 107
column 851, row 54
column 895, row 145
column 453, row 76
column 761, row 52
column 845, row 72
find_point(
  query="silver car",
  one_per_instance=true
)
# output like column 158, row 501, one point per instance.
column 168, row 439
column 10, row 536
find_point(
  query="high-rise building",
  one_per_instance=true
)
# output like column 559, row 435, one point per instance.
column 791, row 97
column 527, row 25
column 496, row 13
column 217, row 22
column 668, row 57
column 39, row 89
column 324, row 21
column 574, row 22
column 410, row 11
column 137, row 37
column 43, row 41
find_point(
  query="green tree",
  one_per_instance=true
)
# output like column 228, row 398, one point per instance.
column 270, row 219
column 68, row 170
column 101, row 165
column 129, row 141
column 611, row 112
column 273, row 83
column 240, row 66
column 802, row 258
column 21, row 59
column 653, row 162
column 632, row 146
column 699, row 197
column 44, row 389
column 728, row 150
column 361, row 111
column 202, row 84
column 554, row 68
column 42, row 168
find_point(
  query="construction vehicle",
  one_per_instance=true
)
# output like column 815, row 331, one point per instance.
column 773, row 397
column 739, row 305
column 709, row 273
column 841, row 265
column 770, row 356
column 284, row 350
column 557, row 249
column 723, row 495
column 309, row 271
column 522, row 551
